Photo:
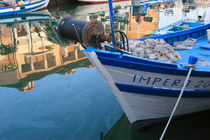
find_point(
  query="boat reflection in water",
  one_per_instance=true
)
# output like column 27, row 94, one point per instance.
column 30, row 49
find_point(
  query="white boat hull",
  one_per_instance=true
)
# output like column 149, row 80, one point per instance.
column 146, row 107
column 142, row 106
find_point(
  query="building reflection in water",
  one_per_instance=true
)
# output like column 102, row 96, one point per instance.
column 137, row 20
column 32, row 49
column 143, row 21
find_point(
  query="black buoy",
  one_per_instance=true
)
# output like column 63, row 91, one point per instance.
column 87, row 33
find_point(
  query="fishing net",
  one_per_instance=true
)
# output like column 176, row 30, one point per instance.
column 154, row 49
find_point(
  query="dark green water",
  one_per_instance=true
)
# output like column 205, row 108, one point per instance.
column 193, row 127
column 50, row 91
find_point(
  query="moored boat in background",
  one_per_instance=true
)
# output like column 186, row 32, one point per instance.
column 184, row 24
column 26, row 6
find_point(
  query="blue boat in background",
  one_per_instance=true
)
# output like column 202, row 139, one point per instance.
column 179, row 26
column 25, row 6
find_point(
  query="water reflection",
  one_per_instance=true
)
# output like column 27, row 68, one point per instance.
column 31, row 49
column 65, row 101
column 65, row 97
column 191, row 127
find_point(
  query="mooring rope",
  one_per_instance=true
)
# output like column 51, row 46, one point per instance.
column 177, row 102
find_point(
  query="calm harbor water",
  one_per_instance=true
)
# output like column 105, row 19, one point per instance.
column 50, row 91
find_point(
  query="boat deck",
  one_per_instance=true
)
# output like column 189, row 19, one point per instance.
column 135, row 62
column 200, row 50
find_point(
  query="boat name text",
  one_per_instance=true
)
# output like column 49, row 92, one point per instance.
column 170, row 83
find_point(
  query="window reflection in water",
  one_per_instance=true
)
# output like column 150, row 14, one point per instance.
column 31, row 49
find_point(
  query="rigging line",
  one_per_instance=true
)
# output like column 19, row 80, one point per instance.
column 177, row 102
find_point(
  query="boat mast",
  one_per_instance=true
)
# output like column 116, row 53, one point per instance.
column 111, row 16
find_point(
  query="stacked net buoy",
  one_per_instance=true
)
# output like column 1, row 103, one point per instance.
column 154, row 49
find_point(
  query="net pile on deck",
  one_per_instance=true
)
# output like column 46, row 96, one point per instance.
column 154, row 49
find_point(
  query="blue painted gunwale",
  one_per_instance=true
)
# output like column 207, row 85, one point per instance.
column 21, row 10
column 135, row 63
column 162, row 92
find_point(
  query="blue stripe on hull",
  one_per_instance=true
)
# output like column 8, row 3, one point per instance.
column 119, row 62
column 162, row 92
column 134, row 59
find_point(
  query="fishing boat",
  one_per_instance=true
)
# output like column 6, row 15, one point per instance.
column 180, row 25
column 147, row 88
column 26, row 6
